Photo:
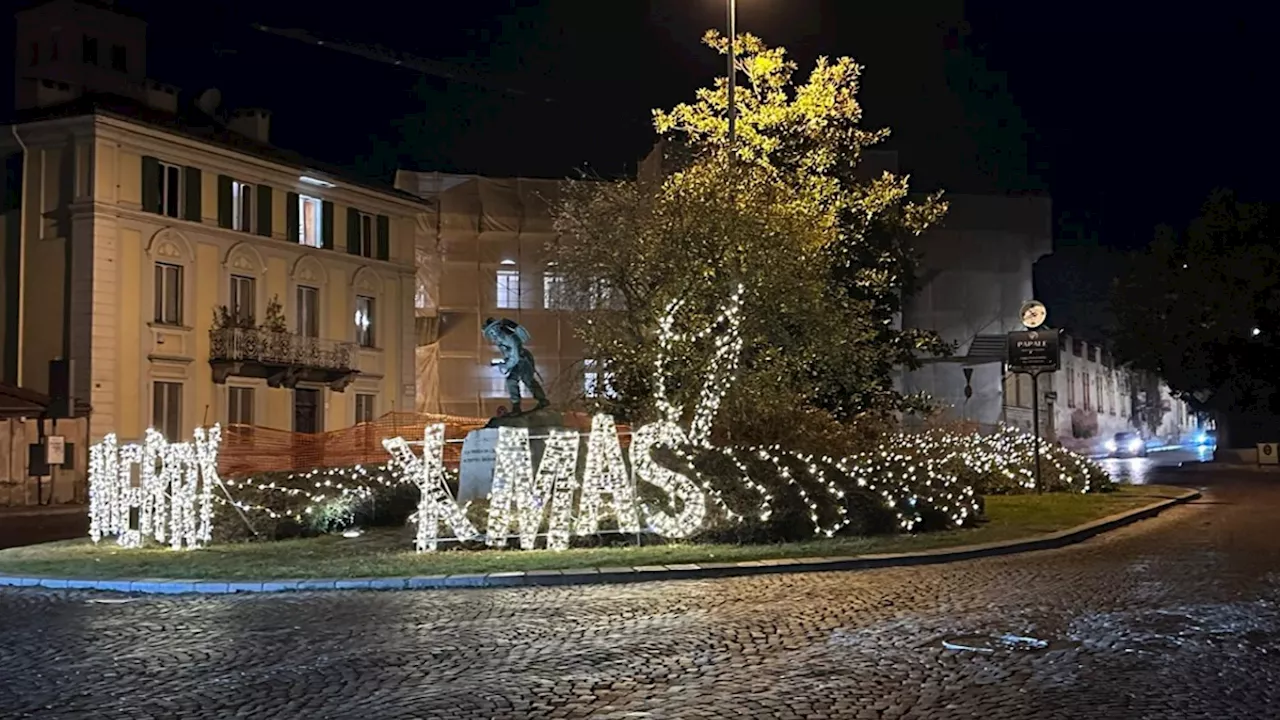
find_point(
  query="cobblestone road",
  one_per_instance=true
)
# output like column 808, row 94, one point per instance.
column 1175, row 617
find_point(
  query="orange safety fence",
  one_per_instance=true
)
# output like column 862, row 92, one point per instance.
column 250, row 450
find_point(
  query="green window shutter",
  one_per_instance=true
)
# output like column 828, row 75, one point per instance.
column 292, row 218
column 264, row 210
column 384, row 237
column 224, row 201
column 150, row 184
column 353, row 231
column 326, row 225
column 192, row 193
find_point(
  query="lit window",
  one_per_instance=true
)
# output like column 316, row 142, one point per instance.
column 310, row 210
column 552, row 291
column 166, row 409
column 595, row 383
column 602, row 296
column 364, row 407
column 364, row 321
column 508, row 289
column 239, row 406
column 170, row 190
column 308, row 307
column 241, row 206
column 168, row 294
column 243, row 301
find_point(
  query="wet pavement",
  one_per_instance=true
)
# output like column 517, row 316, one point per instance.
column 1147, row 470
column 1174, row 617
column 31, row 525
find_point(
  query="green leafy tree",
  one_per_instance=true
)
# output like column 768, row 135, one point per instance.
column 1200, row 308
column 822, row 252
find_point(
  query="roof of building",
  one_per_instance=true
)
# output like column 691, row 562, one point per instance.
column 21, row 402
column 195, row 124
column 108, row 5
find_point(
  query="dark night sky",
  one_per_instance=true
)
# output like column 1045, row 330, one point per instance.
column 1136, row 117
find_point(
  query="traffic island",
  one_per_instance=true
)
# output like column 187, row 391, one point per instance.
column 378, row 560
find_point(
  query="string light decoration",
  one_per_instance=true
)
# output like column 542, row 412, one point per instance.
column 164, row 491
column 157, row 489
column 436, row 504
column 327, row 485
column 606, row 486
column 512, row 485
column 723, row 365
column 558, row 477
column 682, row 492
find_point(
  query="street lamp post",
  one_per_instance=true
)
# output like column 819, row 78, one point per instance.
column 733, row 68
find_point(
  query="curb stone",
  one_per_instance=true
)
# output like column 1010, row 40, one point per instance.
column 1200, row 467
column 610, row 575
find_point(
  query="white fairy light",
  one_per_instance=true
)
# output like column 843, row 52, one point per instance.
column 436, row 503
column 512, row 486
column 606, row 485
column 558, row 477
column 157, row 490
column 688, row 501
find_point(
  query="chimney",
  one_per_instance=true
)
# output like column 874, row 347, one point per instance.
column 162, row 97
column 254, row 123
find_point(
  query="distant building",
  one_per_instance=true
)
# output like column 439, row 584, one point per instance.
column 484, row 255
column 1090, row 399
column 133, row 220
column 974, row 274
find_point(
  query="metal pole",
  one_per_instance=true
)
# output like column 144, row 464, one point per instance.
column 733, row 69
column 1035, row 420
column 40, row 442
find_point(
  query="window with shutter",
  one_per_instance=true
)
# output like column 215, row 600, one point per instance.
column 225, row 202
column 384, row 238
column 264, row 210
column 152, row 185
column 326, row 225
column 353, row 231
column 193, row 193
column 242, row 196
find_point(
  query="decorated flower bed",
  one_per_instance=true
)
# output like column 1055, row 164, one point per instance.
column 669, row 483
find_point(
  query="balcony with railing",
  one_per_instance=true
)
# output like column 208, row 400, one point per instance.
column 282, row 358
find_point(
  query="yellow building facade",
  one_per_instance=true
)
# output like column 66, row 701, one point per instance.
column 133, row 238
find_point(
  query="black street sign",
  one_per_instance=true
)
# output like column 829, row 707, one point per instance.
column 1034, row 351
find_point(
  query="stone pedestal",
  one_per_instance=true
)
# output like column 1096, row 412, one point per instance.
column 475, row 473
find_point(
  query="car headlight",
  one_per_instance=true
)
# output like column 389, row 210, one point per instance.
column 1135, row 445
column 1111, row 445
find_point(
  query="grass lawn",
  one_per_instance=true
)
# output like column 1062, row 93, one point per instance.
column 389, row 552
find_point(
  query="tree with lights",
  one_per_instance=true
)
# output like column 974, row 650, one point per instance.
column 821, row 251
column 1201, row 309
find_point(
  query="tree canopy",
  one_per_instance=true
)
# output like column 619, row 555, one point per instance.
column 822, row 252
column 1201, row 308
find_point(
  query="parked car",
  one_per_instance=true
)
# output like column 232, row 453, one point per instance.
column 1127, row 444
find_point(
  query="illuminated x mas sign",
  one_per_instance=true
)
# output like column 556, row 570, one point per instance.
column 554, row 495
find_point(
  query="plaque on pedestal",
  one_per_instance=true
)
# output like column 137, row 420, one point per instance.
column 475, row 473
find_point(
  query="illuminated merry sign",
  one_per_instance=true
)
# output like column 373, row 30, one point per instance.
column 155, row 489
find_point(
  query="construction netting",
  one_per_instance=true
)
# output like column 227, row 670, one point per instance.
column 482, row 252
column 250, row 450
